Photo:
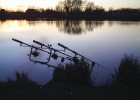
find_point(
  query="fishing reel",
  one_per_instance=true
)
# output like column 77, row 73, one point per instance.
column 54, row 56
column 34, row 53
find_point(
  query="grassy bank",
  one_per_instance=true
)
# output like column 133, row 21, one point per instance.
column 57, row 91
column 125, row 85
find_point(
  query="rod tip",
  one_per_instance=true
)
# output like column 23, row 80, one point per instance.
column 13, row 39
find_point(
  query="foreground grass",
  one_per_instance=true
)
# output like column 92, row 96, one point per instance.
column 59, row 91
column 125, row 86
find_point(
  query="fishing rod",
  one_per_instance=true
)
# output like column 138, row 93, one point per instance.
column 27, row 45
column 52, row 53
column 93, row 62
column 55, row 50
column 75, row 59
column 36, row 54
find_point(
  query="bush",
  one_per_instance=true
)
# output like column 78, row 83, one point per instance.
column 72, row 73
column 22, row 81
column 22, row 76
column 128, row 72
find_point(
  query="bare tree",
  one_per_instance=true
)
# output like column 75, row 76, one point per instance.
column 90, row 6
column 60, row 7
column 70, row 6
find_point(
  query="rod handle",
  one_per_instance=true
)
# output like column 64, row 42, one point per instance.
column 38, row 43
column 17, row 40
column 61, row 45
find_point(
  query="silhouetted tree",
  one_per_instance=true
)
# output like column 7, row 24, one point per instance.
column 3, row 14
column 90, row 7
column 32, row 13
column 59, row 7
column 70, row 6
column 124, row 14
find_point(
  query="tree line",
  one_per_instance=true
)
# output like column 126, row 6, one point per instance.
column 74, row 9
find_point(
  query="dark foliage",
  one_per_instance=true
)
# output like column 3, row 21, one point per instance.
column 22, row 82
column 72, row 73
column 25, row 89
column 73, row 10
column 128, row 72
column 124, row 14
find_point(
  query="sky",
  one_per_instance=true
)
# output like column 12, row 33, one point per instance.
column 24, row 4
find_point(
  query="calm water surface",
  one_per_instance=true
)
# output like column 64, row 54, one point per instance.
column 105, row 42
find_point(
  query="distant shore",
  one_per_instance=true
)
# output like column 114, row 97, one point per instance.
column 48, row 14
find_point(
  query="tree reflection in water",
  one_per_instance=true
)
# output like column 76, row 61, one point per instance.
column 77, row 27
column 65, row 26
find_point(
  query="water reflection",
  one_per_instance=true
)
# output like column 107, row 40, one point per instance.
column 128, row 23
column 65, row 26
column 77, row 27
column 68, row 27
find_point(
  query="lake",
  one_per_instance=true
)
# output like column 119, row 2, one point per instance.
column 104, row 42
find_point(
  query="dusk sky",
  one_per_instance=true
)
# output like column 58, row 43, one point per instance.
column 24, row 4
